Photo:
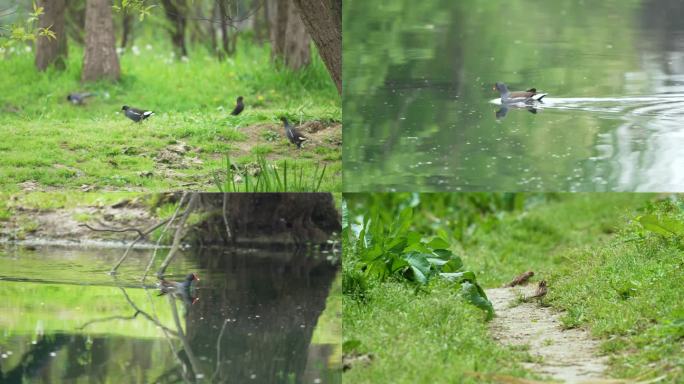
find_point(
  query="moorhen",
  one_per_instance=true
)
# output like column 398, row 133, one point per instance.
column 239, row 106
column 292, row 134
column 136, row 114
column 182, row 287
column 527, row 97
column 78, row 98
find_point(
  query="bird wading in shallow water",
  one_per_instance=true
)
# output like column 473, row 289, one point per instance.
column 293, row 135
column 527, row 97
column 79, row 98
column 239, row 107
column 136, row 114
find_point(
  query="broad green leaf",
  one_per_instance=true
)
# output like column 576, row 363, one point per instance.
column 473, row 294
column 458, row 276
column 419, row 265
column 662, row 226
column 453, row 265
column 438, row 243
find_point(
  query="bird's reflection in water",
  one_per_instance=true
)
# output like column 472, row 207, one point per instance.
column 503, row 111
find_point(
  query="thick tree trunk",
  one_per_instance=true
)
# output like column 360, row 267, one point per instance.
column 48, row 50
column 289, row 39
column 175, row 12
column 323, row 20
column 100, row 60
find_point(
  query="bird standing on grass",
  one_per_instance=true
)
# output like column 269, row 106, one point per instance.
column 78, row 98
column 239, row 106
column 136, row 114
column 293, row 135
column 540, row 292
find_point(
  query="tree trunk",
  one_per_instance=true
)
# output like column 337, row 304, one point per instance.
column 127, row 27
column 49, row 50
column 289, row 39
column 224, row 28
column 100, row 60
column 323, row 20
column 175, row 12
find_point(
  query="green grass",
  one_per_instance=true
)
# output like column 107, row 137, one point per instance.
column 424, row 338
column 610, row 275
column 47, row 141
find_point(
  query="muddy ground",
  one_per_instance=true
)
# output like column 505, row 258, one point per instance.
column 30, row 224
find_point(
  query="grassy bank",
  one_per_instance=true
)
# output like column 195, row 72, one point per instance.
column 609, row 274
column 47, row 143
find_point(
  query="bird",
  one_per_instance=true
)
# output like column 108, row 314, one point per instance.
column 292, row 134
column 521, row 279
column 136, row 114
column 528, row 97
column 170, row 286
column 540, row 292
column 79, row 98
column 239, row 106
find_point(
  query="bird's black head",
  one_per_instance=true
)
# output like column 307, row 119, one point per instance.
column 124, row 108
column 69, row 97
column 501, row 88
column 283, row 119
column 190, row 277
column 239, row 99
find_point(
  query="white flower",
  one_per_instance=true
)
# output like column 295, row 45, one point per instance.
column 27, row 48
column 148, row 47
column 185, row 59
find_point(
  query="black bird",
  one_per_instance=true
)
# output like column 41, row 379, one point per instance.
column 135, row 114
column 78, row 98
column 292, row 134
column 170, row 286
column 238, row 107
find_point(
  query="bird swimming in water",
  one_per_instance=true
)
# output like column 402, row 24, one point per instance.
column 528, row 97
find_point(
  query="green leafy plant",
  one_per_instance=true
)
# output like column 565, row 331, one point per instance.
column 386, row 246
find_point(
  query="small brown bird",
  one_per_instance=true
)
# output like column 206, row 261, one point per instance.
column 540, row 292
column 520, row 280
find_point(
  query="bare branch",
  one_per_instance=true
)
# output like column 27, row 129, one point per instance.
column 180, row 232
column 117, row 230
column 161, row 236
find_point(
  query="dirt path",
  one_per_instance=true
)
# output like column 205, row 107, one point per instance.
column 569, row 356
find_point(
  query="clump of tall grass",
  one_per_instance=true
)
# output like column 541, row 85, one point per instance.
column 270, row 177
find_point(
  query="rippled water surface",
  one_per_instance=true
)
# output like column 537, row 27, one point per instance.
column 420, row 111
column 256, row 315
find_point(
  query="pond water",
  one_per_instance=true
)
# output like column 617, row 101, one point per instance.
column 420, row 111
column 256, row 315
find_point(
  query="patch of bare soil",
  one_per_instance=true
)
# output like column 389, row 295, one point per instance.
column 569, row 356
column 319, row 134
column 67, row 224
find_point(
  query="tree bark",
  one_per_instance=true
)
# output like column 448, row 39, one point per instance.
column 126, row 26
column 100, row 60
column 48, row 50
column 175, row 12
column 323, row 21
column 289, row 39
